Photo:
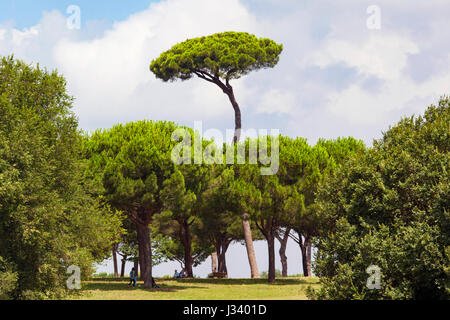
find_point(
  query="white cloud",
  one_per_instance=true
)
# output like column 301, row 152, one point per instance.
column 18, row 37
column 381, row 55
column 384, row 56
column 276, row 101
column 360, row 106
column 111, row 73
column 108, row 71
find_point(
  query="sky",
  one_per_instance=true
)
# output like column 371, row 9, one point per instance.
column 349, row 68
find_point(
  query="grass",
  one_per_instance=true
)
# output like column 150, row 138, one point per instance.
column 200, row 289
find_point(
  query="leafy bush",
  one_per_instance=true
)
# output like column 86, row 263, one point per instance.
column 265, row 274
column 390, row 208
column 104, row 275
column 48, row 218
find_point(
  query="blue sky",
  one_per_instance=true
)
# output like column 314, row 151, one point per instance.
column 26, row 13
column 337, row 76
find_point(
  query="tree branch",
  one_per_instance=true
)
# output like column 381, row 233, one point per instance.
column 258, row 226
column 293, row 237
column 201, row 75
column 196, row 256
column 135, row 218
column 214, row 79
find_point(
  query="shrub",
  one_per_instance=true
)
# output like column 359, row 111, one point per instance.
column 389, row 208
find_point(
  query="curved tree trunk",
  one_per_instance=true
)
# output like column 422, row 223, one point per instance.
column 237, row 116
column 250, row 248
column 228, row 90
column 283, row 246
column 245, row 223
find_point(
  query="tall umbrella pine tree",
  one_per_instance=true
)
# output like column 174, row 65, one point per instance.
column 220, row 58
column 134, row 161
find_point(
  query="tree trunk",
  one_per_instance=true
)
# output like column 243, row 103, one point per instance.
column 214, row 262
column 218, row 246
column 308, row 247
column 145, row 254
column 304, row 259
column 225, row 245
column 284, row 265
column 283, row 245
column 136, row 267
column 122, row 269
column 223, row 262
column 250, row 249
column 245, row 224
column 237, row 116
column 271, row 247
column 187, row 243
column 305, row 247
column 114, row 256
column 303, row 253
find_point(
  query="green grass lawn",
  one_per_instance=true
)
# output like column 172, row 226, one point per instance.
column 200, row 289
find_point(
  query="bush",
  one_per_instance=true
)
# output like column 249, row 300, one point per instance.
column 265, row 274
column 104, row 275
column 49, row 218
column 389, row 208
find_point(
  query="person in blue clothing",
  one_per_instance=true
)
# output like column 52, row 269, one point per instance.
column 176, row 275
column 132, row 278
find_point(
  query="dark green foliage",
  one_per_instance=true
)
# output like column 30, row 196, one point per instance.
column 8, row 280
column 265, row 274
column 47, row 219
column 182, row 196
column 222, row 207
column 390, row 208
column 227, row 55
column 131, row 162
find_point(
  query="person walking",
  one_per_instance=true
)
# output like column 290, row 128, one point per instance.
column 132, row 278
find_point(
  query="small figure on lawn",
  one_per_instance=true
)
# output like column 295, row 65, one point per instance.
column 132, row 278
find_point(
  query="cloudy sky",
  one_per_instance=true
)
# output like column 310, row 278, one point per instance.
column 349, row 68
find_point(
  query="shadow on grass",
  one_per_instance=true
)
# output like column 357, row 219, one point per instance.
column 120, row 283
column 283, row 281
column 123, row 286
